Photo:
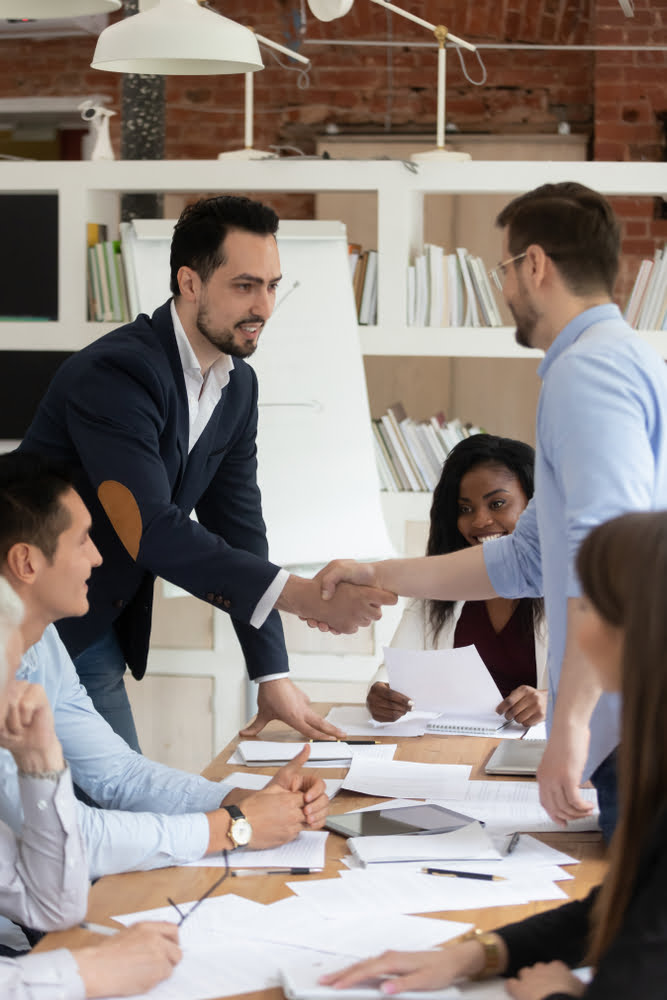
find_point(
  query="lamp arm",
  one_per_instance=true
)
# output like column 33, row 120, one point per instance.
column 282, row 48
column 425, row 24
column 248, row 115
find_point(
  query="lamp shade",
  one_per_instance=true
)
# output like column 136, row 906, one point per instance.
column 329, row 10
column 177, row 37
column 36, row 9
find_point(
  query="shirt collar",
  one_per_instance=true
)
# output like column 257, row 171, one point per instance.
column 574, row 329
column 219, row 371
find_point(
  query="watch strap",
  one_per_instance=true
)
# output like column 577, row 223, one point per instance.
column 234, row 812
column 489, row 943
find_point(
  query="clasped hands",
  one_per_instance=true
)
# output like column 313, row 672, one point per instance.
column 292, row 801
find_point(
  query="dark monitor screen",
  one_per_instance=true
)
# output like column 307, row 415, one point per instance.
column 24, row 378
column 29, row 256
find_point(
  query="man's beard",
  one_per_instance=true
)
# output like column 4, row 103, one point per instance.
column 225, row 340
column 525, row 317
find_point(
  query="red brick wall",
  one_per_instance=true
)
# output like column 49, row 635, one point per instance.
column 630, row 95
column 615, row 97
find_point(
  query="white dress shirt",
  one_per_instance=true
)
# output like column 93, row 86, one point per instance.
column 203, row 393
column 43, row 884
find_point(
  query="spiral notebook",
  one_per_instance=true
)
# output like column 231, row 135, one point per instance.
column 483, row 724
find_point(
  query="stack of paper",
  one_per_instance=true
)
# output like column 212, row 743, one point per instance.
column 264, row 753
column 468, row 842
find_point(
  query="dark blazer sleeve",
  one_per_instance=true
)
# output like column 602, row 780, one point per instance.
column 559, row 934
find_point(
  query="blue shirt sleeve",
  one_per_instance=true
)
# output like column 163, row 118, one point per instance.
column 590, row 399
column 151, row 815
column 513, row 563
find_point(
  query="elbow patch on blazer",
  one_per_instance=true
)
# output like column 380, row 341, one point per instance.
column 123, row 511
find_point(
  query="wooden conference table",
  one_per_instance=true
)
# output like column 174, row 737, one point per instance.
column 145, row 890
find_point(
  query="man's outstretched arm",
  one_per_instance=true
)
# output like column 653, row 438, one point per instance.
column 457, row 576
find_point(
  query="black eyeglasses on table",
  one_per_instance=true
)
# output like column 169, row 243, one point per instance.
column 212, row 888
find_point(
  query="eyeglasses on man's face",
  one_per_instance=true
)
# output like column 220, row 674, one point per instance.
column 499, row 272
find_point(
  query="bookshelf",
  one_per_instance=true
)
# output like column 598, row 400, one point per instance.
column 90, row 192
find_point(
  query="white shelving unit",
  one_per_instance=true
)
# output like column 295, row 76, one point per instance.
column 90, row 192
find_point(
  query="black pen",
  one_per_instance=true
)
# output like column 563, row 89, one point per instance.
column 352, row 743
column 274, row 871
column 452, row 874
column 514, row 840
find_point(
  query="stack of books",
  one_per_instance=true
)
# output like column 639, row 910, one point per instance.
column 450, row 289
column 106, row 278
column 410, row 453
column 647, row 305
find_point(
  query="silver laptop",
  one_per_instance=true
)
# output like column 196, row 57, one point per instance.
column 516, row 757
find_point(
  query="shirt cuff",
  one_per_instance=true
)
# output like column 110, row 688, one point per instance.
column 39, row 794
column 55, row 972
column 270, row 677
column 266, row 603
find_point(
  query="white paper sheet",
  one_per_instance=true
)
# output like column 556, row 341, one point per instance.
column 306, row 851
column 505, row 806
column 250, row 780
column 356, row 720
column 406, row 779
column 369, row 891
column 454, row 681
column 359, row 936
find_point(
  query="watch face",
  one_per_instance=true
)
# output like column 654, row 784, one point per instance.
column 240, row 831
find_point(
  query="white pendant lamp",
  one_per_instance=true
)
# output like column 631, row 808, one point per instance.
column 36, row 9
column 177, row 37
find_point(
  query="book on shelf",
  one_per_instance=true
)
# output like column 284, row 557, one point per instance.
column 647, row 303
column 389, row 479
column 353, row 251
column 450, row 289
column 368, row 304
column 396, row 447
column 105, row 310
column 410, row 452
column 363, row 270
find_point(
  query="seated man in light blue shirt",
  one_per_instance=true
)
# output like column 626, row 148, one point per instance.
column 601, row 451
column 150, row 815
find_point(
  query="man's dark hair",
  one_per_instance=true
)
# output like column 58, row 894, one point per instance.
column 202, row 229
column 575, row 226
column 31, row 508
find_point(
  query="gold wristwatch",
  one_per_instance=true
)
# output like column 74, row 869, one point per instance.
column 240, row 830
column 489, row 943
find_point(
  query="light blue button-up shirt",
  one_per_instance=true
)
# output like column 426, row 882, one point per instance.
column 151, row 815
column 601, row 451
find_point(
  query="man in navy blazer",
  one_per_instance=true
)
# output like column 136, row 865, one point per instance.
column 158, row 419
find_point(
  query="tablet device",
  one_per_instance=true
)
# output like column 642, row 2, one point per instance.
column 516, row 757
column 406, row 819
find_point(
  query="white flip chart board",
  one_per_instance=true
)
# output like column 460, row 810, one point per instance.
column 317, row 470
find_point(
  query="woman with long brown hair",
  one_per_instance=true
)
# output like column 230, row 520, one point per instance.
column 621, row 927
